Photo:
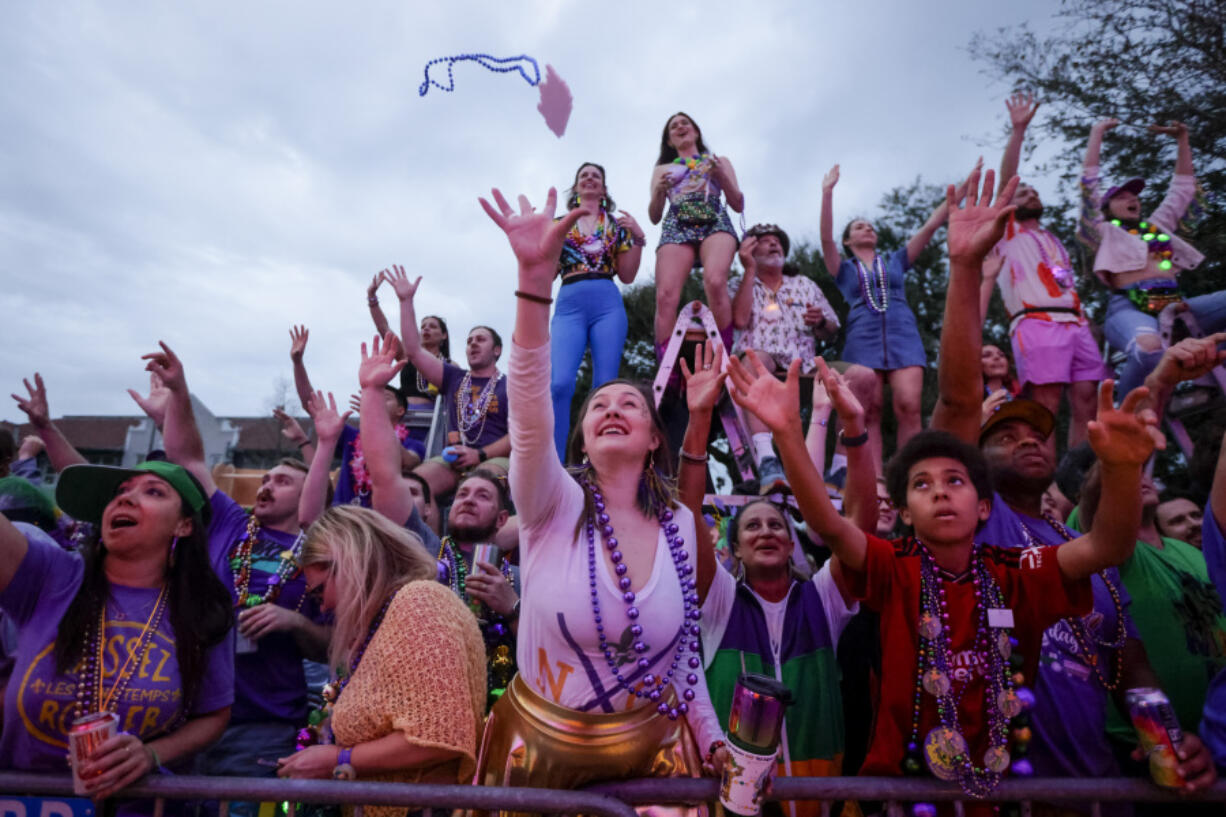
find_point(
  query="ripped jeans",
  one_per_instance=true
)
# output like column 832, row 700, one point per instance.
column 1124, row 323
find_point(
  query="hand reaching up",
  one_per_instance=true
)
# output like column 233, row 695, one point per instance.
column 154, row 405
column 536, row 239
column 976, row 225
column 329, row 423
column 298, row 336
column 165, row 364
column 405, row 289
column 1022, row 108
column 380, row 366
column 291, row 429
column 34, row 404
column 1126, row 435
column 759, row 391
column 830, row 179
column 840, row 394
column 705, row 382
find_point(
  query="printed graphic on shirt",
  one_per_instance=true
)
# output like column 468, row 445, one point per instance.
column 1060, row 651
column 1199, row 610
column 150, row 703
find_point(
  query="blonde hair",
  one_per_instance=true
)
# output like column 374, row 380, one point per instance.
column 369, row 559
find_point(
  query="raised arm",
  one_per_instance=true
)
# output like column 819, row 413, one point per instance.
column 924, row 234
column 775, row 403
column 60, row 452
column 1217, row 493
column 1095, row 144
column 298, row 336
column 179, row 432
column 389, row 490
column 536, row 239
column 721, row 168
column 974, row 229
column 703, row 386
column 427, row 364
column 294, row 433
column 860, row 492
column 1123, row 439
column 1022, row 108
column 831, row 256
column 1189, row 359
column 376, row 311
column 742, row 303
column 328, row 427
column 1183, row 157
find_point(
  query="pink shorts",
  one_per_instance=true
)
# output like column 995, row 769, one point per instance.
column 1050, row 352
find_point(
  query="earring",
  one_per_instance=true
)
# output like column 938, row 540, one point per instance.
column 174, row 544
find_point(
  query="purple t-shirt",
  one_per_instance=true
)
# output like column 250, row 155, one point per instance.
column 269, row 683
column 482, row 431
column 1069, row 719
column 40, row 704
column 1213, row 725
column 347, row 492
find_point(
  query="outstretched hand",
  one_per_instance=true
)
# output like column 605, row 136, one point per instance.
column 166, row 365
column 1104, row 125
column 329, row 422
column 1176, row 129
column 1126, row 435
column 759, row 391
column 380, row 366
column 536, row 239
column 154, row 405
column 1189, row 359
column 830, row 179
column 705, row 382
column 1022, row 108
column 841, row 396
column 298, row 336
column 405, row 289
column 976, row 225
column 291, row 429
column 34, row 404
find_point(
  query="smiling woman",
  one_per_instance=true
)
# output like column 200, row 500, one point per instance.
column 145, row 580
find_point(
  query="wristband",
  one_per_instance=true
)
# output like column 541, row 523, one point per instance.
column 304, row 444
column 854, row 442
column 514, row 611
column 536, row 299
column 372, row 301
column 716, row 745
column 694, row 458
column 481, row 455
column 344, row 769
column 157, row 762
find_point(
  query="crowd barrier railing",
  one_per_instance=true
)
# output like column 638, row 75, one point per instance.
column 615, row 799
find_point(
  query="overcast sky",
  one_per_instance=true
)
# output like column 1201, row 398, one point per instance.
column 211, row 173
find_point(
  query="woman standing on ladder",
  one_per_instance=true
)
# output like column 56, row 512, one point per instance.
column 590, row 312
column 881, row 330
column 691, row 179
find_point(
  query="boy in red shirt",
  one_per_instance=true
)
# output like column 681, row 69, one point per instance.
column 957, row 620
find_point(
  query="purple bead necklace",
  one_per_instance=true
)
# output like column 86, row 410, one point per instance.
column 653, row 686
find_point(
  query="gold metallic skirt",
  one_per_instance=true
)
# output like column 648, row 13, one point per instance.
column 530, row 741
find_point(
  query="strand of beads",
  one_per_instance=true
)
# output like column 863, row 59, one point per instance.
column 874, row 287
column 470, row 412
column 1158, row 241
column 499, row 65
column 653, row 686
column 91, row 665
column 945, row 748
column 240, row 563
column 1062, row 270
column 331, row 693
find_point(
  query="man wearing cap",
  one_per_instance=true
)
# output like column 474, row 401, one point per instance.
column 277, row 623
column 1053, row 347
column 1140, row 260
column 1081, row 660
column 779, row 314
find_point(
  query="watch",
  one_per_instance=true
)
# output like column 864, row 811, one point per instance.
column 344, row 769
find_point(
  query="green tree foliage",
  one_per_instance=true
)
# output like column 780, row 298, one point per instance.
column 1143, row 62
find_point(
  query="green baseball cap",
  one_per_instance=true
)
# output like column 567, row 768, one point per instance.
column 84, row 491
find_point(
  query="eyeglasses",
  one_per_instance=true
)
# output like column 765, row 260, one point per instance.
column 885, row 503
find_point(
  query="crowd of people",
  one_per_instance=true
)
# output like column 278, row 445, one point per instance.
column 541, row 605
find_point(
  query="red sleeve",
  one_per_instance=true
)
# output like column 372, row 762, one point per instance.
column 872, row 584
column 1038, row 592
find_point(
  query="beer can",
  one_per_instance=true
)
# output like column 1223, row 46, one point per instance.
column 1157, row 728
column 490, row 554
column 85, row 735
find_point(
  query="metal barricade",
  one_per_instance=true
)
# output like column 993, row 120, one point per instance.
column 617, row 799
